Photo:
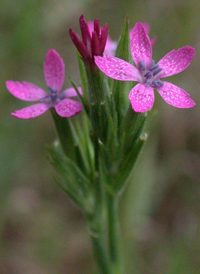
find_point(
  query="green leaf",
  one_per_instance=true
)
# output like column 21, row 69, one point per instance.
column 120, row 89
column 83, row 76
column 82, row 98
column 84, row 146
column 128, row 163
column 132, row 126
column 64, row 133
column 75, row 183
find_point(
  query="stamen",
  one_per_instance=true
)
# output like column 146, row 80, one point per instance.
column 148, row 81
column 158, row 83
column 148, row 75
column 46, row 99
column 156, row 71
column 152, row 62
column 142, row 66
column 154, row 67
column 52, row 90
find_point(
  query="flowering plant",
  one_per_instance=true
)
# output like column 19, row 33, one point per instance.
column 98, row 150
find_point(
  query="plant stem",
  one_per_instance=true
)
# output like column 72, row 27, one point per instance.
column 114, row 239
column 107, row 242
column 100, row 255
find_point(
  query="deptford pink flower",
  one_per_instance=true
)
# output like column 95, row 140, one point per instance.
column 148, row 74
column 110, row 46
column 93, row 44
column 54, row 71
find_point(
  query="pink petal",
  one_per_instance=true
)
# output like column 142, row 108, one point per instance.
column 141, row 97
column 54, row 70
column 25, row 91
column 176, row 61
column 153, row 41
column 141, row 49
column 31, row 111
column 68, row 108
column 117, row 68
column 110, row 47
column 91, row 27
column 146, row 27
column 175, row 96
column 71, row 92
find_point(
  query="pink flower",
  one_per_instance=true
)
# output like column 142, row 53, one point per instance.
column 54, row 71
column 148, row 74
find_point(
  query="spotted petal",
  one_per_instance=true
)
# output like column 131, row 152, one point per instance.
column 25, row 91
column 117, row 68
column 54, row 70
column 68, row 108
column 175, row 96
column 31, row 111
column 176, row 61
column 141, row 98
column 70, row 92
column 141, row 49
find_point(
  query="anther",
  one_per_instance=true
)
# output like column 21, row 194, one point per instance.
column 154, row 67
column 52, row 90
column 152, row 62
column 148, row 75
column 158, row 83
column 142, row 66
column 148, row 81
column 156, row 71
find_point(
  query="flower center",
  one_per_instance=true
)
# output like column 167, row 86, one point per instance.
column 52, row 98
column 150, row 76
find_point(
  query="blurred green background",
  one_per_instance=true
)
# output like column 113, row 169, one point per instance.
column 41, row 231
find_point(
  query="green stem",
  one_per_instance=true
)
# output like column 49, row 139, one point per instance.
column 64, row 133
column 106, row 237
column 114, row 239
column 100, row 255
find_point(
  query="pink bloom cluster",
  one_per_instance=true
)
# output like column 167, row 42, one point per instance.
column 147, row 73
column 54, row 71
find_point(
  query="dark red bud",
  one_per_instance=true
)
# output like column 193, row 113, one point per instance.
column 103, row 38
column 85, row 34
column 95, row 45
column 79, row 45
column 96, row 27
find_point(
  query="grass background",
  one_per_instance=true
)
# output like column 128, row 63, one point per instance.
column 41, row 231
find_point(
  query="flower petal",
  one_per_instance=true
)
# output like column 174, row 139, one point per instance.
column 25, row 91
column 175, row 96
column 117, row 68
column 141, row 97
column 141, row 49
column 110, row 47
column 146, row 27
column 31, row 111
column 70, row 92
column 68, row 108
column 54, row 70
column 176, row 61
